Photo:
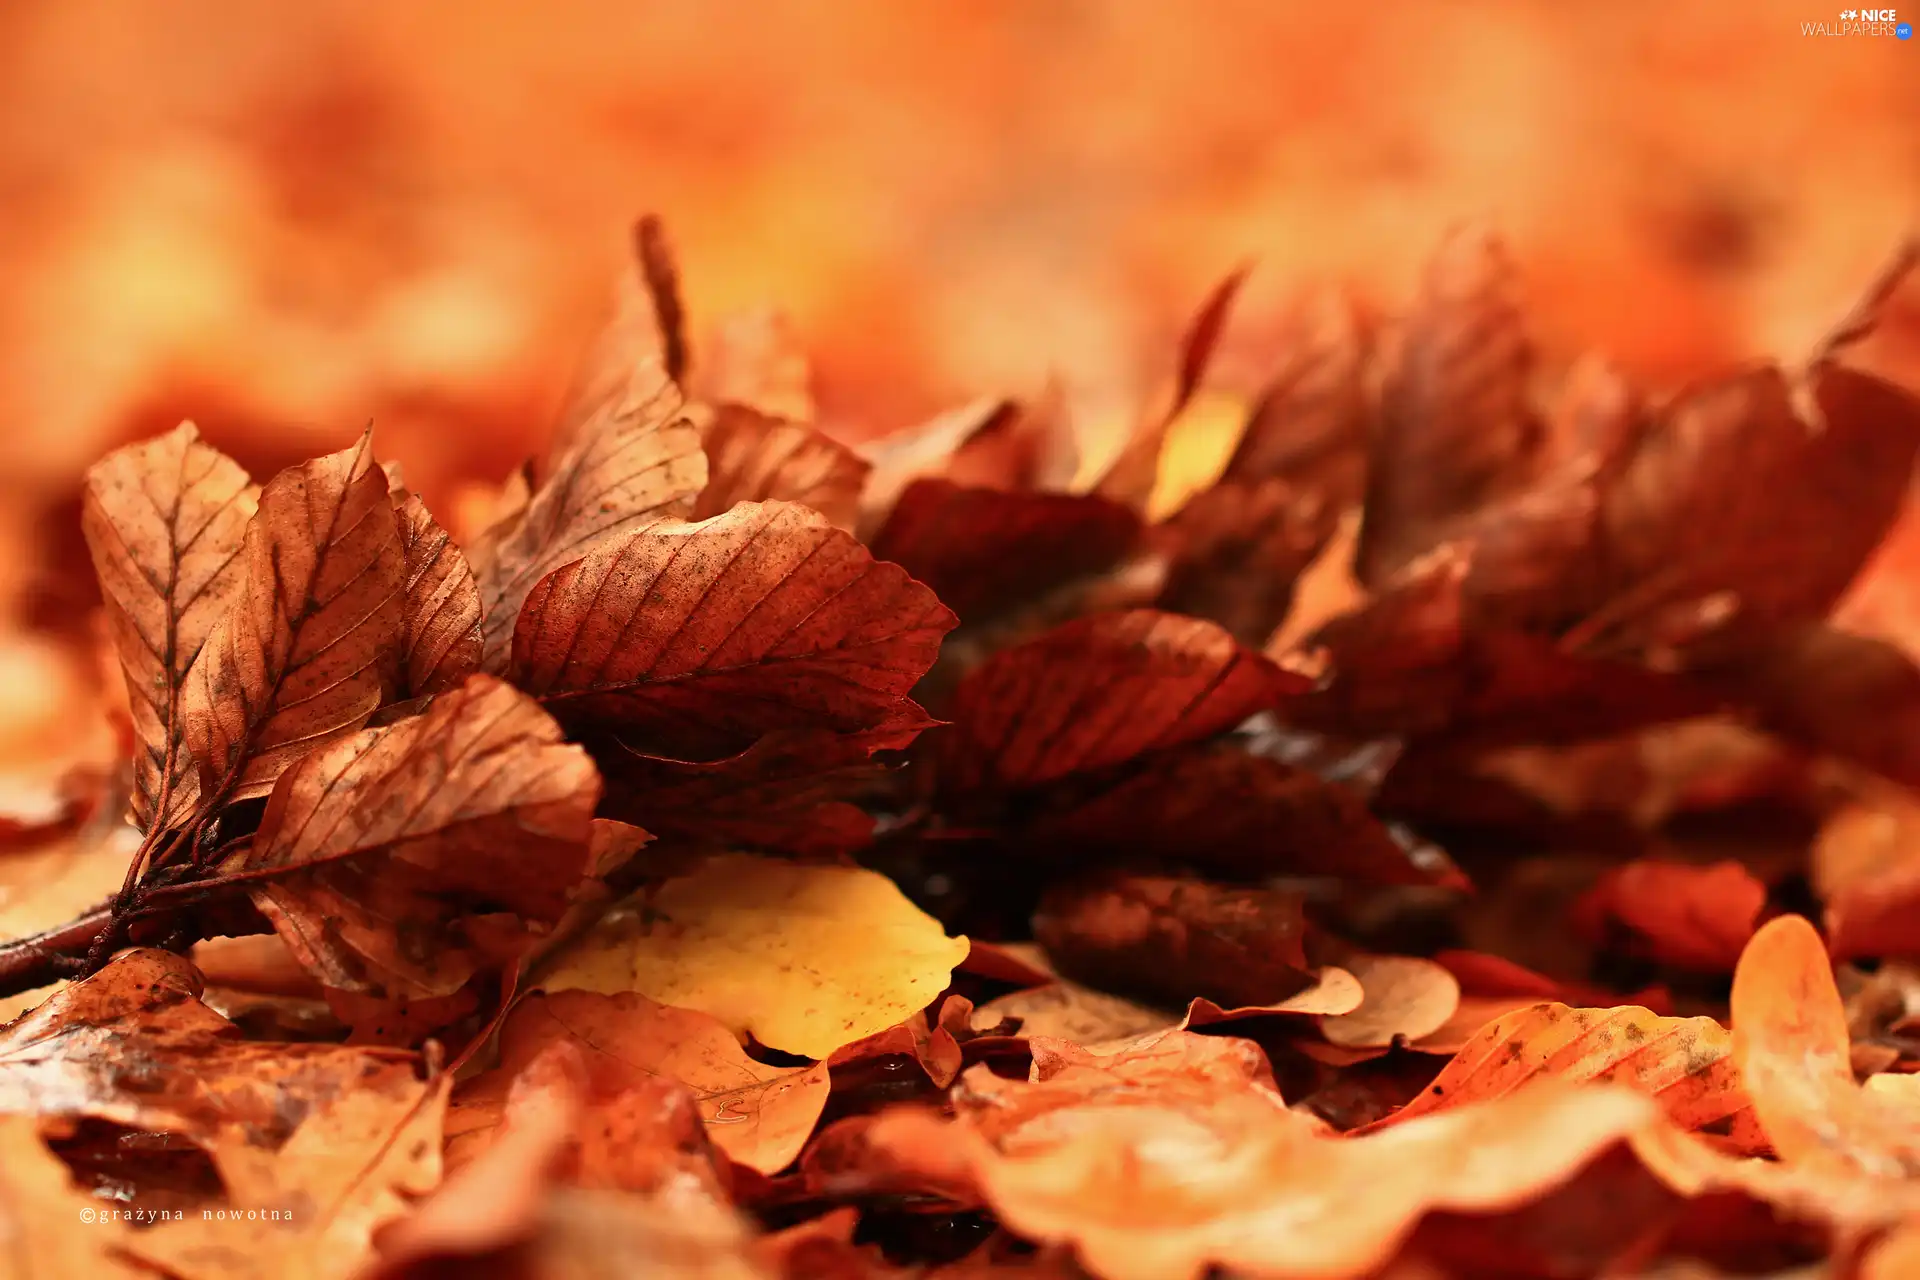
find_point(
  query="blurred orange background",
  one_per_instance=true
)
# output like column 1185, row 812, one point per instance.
column 284, row 221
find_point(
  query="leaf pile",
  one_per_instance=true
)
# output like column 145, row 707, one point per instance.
column 750, row 856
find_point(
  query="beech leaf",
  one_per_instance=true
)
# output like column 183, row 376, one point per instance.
column 695, row 639
column 755, row 458
column 311, row 647
column 166, row 522
column 441, row 639
column 475, row 805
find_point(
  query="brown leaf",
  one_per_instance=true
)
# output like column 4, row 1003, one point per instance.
column 760, row 1116
column 1309, row 425
column 134, row 1045
column 927, row 450
column 1227, row 810
column 441, row 627
column 1100, row 692
column 1455, row 427
column 475, row 805
column 754, row 361
column 312, row 647
column 1131, row 477
column 1173, row 940
column 790, row 792
column 1405, row 998
column 1099, row 1021
column 752, row 457
column 166, row 521
column 1691, row 917
column 935, row 1044
column 622, row 458
column 1235, row 551
column 983, row 551
column 695, row 639
column 1684, row 1064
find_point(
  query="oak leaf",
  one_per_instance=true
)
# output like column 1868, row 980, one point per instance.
column 311, row 646
column 373, row 850
column 805, row 958
column 752, row 457
column 759, row 1115
column 696, row 639
column 166, row 522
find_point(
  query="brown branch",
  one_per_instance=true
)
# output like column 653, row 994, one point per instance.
column 57, row 954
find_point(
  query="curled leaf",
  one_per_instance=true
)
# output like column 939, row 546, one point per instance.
column 1405, row 998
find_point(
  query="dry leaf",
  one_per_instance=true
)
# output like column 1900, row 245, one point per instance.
column 378, row 846
column 755, row 361
column 1405, row 998
column 1692, row 917
column 440, row 645
column 1068, row 1011
column 805, row 958
column 1790, row 1036
column 752, row 457
column 311, row 645
column 42, row 1215
column 759, row 1115
column 1100, row 692
column 769, row 619
column 1684, row 1064
column 166, row 521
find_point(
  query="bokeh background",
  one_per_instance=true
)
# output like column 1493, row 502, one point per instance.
column 285, row 220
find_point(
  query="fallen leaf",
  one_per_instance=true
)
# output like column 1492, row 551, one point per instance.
column 1173, row 940
column 1864, row 869
column 983, row 551
column 627, row 455
column 1456, row 427
column 311, row 646
column 756, row 362
column 1684, row 1064
column 760, row 1116
column 1235, row 551
column 40, row 1209
column 1100, row 692
column 805, row 958
column 1790, row 1037
column 1308, row 426
column 752, row 457
column 771, row 619
column 925, row 450
column 1405, row 998
column 1069, row 1011
column 1692, row 917
column 473, row 806
column 440, row 630
column 166, row 522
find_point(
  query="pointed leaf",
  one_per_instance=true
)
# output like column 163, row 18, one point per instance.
column 696, row 639
column 441, row 627
column 475, row 805
column 166, row 522
column 752, row 457
column 312, row 647
column 1099, row 692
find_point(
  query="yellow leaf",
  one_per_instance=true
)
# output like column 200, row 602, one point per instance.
column 804, row 958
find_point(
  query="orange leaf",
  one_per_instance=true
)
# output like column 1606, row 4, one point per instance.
column 1692, row 917
column 1790, row 1035
column 759, row 1115
column 755, row 362
column 166, row 522
column 1685, row 1064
